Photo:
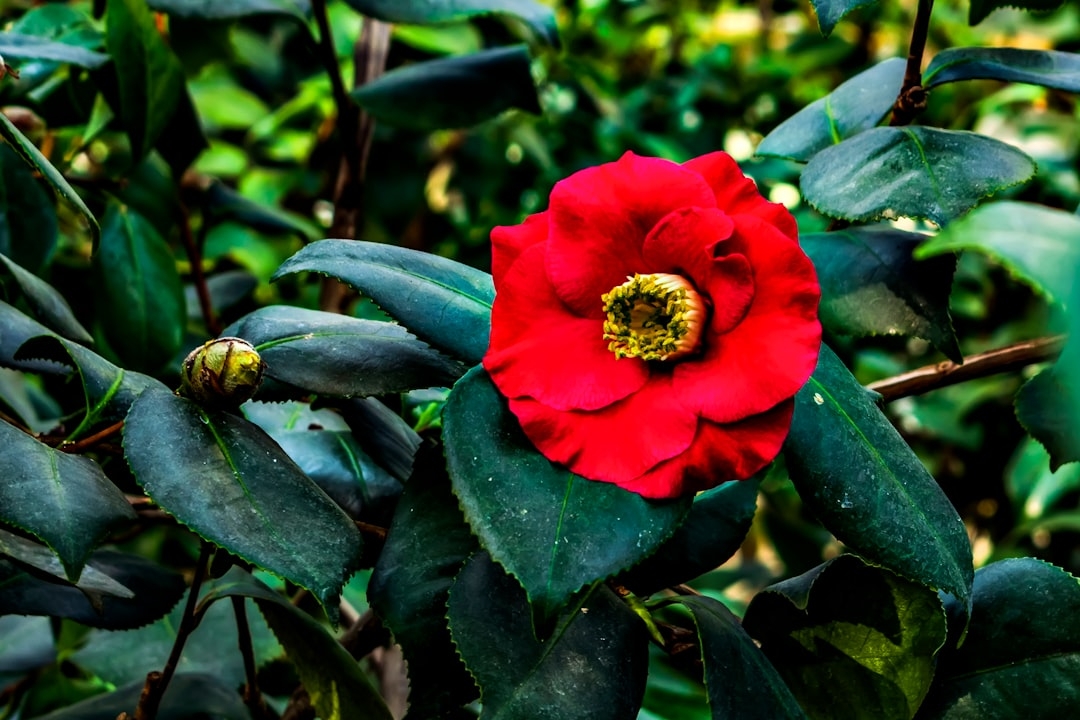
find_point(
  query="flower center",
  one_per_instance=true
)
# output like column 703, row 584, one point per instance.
column 653, row 317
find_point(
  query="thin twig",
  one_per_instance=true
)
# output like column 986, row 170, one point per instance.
column 12, row 421
column 252, row 696
column 90, row 441
column 198, row 277
column 943, row 374
column 376, row 531
column 912, row 98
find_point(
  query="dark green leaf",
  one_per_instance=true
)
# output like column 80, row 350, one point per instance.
column 444, row 302
column 383, row 434
column 224, row 203
column 226, row 289
column 189, row 696
column 182, row 139
column 857, row 105
column 64, row 500
column 15, row 46
column 230, row 9
column 15, row 329
column 1049, row 68
column 1036, row 244
column 1031, row 484
column 981, row 8
column 1048, row 406
column 554, row 531
column 333, row 354
column 536, row 15
column 866, row 485
column 28, row 228
column 713, row 530
column 339, row 689
column 150, row 77
column 870, row 285
column 592, row 667
column 46, row 303
column 37, row 557
column 26, row 643
column 29, row 152
column 830, row 12
column 410, row 587
column 228, row 481
column 741, row 681
column 454, row 92
column 851, row 640
column 1021, row 656
column 917, row 172
column 139, row 297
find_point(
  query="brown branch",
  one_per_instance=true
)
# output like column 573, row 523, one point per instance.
column 12, row 421
column 252, row 697
column 90, row 441
column 943, row 374
column 912, row 98
column 198, row 277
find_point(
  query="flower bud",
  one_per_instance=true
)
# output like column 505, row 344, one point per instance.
column 222, row 373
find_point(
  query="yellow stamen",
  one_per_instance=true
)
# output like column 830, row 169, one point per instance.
column 653, row 317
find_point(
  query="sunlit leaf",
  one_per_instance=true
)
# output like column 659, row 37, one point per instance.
column 1049, row 68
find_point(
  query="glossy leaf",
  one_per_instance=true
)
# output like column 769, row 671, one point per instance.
column 554, row 531
column 410, row 587
column 850, row 640
column 230, row 9
column 190, row 696
column 333, row 354
column 338, row 688
column 870, row 285
column 539, row 18
column 28, row 226
column 47, row 304
column 866, row 485
column 1032, row 485
column 23, row 553
column 830, row 12
column 1049, row 68
column 1021, row 656
column 740, row 680
column 592, row 667
column 16, row 46
column 17, row 329
column 712, row 532
column 453, row 92
column 139, row 298
column 29, row 152
column 150, row 77
column 979, row 9
column 409, row 285
column 74, row 506
column 1036, row 244
column 916, row 172
column 228, row 481
column 856, row 105
column 383, row 434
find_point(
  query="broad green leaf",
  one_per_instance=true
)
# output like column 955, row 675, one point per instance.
column 64, row 500
column 554, row 531
column 1048, row 406
column 139, row 298
column 410, row 587
column 1036, row 244
column 333, row 354
column 230, row 9
column 1021, row 656
column 26, row 643
column 47, row 304
column 1032, row 485
column 151, row 592
column 539, row 17
column 16, row 46
column 830, row 12
column 338, row 688
column 29, row 152
column 850, row 640
column 189, row 696
column 35, row 557
column 226, row 289
column 856, row 105
column 1049, row 68
column 454, row 92
column 383, row 434
column 228, row 481
column 15, row 329
column 224, row 203
column 445, row 303
column 28, row 227
column 740, row 680
column 592, row 667
column 981, row 8
column 150, row 77
column 713, row 530
column 870, row 285
column 868, row 488
column 917, row 172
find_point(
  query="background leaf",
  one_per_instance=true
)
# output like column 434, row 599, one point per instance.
column 48, row 305
column 188, row 697
column 537, row 16
column 830, row 12
column 28, row 227
column 979, row 9
column 231, row 9
column 1049, row 68
column 916, row 172
column 16, row 46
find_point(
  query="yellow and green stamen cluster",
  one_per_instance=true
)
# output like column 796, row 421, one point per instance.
column 653, row 317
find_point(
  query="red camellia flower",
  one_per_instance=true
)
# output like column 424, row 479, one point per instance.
column 652, row 326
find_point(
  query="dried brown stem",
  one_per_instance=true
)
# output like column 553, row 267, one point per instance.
column 943, row 374
column 91, row 440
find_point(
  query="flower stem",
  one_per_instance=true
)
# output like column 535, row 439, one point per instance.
column 198, row 277
column 912, row 98
column 252, row 697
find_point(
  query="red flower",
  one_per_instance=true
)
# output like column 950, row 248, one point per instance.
column 672, row 381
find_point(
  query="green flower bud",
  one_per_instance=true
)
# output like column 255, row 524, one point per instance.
column 223, row 373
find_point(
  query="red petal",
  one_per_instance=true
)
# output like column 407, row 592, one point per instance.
column 615, row 444
column 509, row 241
column 736, row 193
column 539, row 349
column 600, row 217
column 682, row 242
column 768, row 356
column 719, row 453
